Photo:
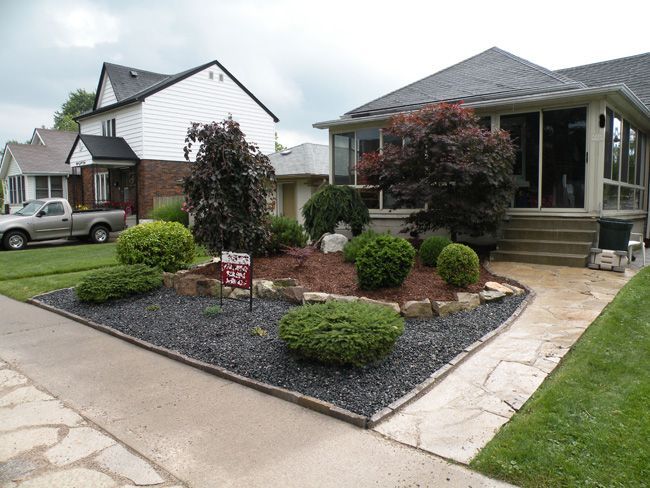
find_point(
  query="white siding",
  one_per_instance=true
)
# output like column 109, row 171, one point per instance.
column 107, row 96
column 168, row 114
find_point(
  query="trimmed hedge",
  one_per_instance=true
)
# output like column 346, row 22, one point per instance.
column 354, row 245
column 459, row 265
column 118, row 282
column 342, row 333
column 332, row 205
column 384, row 262
column 431, row 249
column 285, row 232
column 166, row 245
column 171, row 212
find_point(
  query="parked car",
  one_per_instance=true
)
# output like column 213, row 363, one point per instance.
column 53, row 218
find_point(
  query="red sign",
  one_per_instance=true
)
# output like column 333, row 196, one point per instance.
column 236, row 270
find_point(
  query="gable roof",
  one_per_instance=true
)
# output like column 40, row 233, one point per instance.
column 49, row 158
column 633, row 71
column 105, row 148
column 305, row 159
column 491, row 74
column 131, row 89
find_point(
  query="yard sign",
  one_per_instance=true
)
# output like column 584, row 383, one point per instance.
column 237, row 272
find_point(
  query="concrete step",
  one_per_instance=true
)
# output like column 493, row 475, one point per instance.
column 555, row 259
column 560, row 247
column 565, row 235
column 551, row 223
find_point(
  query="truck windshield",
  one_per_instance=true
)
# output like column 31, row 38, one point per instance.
column 31, row 208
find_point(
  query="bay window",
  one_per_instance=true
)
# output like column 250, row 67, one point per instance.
column 16, row 189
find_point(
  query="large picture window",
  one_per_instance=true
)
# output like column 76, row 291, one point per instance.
column 16, row 189
column 49, row 186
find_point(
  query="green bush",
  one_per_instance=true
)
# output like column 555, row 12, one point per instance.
column 332, row 205
column 171, row 212
column 384, row 262
column 212, row 311
column 166, row 245
column 341, row 332
column 118, row 282
column 285, row 232
column 431, row 248
column 459, row 265
column 354, row 245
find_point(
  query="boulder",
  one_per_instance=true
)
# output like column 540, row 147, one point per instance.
column 417, row 308
column 264, row 289
column 494, row 286
column 292, row 293
column 333, row 243
column 469, row 300
column 168, row 279
column 515, row 289
column 207, row 287
column 392, row 305
column 442, row 308
column 314, row 297
column 239, row 294
column 186, row 284
column 285, row 282
column 342, row 298
column 491, row 296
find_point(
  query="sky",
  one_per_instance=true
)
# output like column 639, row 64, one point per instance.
column 307, row 61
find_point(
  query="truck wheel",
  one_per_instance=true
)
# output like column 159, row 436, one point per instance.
column 14, row 240
column 99, row 234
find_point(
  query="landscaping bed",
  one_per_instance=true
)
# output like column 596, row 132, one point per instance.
column 176, row 322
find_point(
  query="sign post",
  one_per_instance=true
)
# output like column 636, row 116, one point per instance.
column 237, row 272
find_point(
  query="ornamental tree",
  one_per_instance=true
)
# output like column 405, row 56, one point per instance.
column 229, row 190
column 461, row 171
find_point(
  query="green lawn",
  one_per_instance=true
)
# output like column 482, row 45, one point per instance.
column 589, row 423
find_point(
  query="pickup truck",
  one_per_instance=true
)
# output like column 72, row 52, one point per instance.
column 53, row 218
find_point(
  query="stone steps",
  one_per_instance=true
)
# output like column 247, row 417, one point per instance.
column 555, row 259
column 551, row 223
column 548, row 246
column 549, row 234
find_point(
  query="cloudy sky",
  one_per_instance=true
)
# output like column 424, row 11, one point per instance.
column 307, row 61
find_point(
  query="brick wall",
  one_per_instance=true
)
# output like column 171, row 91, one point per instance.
column 88, row 186
column 159, row 179
column 74, row 190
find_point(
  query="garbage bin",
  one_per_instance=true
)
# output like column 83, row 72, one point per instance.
column 614, row 234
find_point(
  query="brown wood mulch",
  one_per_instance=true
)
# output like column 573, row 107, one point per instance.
column 329, row 273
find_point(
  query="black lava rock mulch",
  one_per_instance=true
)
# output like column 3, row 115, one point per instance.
column 226, row 341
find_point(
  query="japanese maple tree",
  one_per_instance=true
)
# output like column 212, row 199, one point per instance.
column 463, row 173
column 229, row 190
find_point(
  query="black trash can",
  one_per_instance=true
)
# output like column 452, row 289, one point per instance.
column 614, row 234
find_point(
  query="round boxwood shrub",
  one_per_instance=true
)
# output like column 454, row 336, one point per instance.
column 285, row 232
column 431, row 248
column 166, row 245
column 384, row 262
column 354, row 245
column 341, row 332
column 459, row 265
column 118, row 282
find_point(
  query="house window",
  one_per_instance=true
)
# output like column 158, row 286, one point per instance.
column 101, row 187
column 56, row 186
column 42, row 187
column 49, row 186
column 17, row 189
column 624, row 170
column 108, row 128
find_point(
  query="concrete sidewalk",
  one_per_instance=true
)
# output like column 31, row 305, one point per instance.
column 204, row 430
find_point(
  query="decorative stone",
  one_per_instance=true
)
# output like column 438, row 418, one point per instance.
column 469, row 300
column 392, row 305
column 186, row 284
column 417, row 308
column 491, row 296
column 121, row 462
column 32, row 414
column 168, row 279
column 15, row 443
column 239, row 294
column 207, row 287
column 333, row 243
column 71, row 478
column 442, row 308
column 292, row 293
column 515, row 289
column 264, row 289
column 494, row 286
column 9, row 378
column 342, row 298
column 78, row 444
column 314, row 297
column 23, row 395
column 285, row 282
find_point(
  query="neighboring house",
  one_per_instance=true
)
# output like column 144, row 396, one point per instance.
column 37, row 169
column 299, row 171
column 129, row 151
column 581, row 139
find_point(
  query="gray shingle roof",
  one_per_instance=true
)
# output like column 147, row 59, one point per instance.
column 45, row 159
column 125, row 85
column 103, row 147
column 489, row 75
column 305, row 159
column 634, row 71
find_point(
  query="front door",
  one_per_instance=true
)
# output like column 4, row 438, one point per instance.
column 289, row 200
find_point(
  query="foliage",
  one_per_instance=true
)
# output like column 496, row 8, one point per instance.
column 459, row 265
column 78, row 102
column 212, row 311
column 354, row 245
column 431, row 248
column 279, row 147
column 588, row 423
column 341, row 332
column 384, row 262
column 259, row 331
column 299, row 254
column 167, row 245
column 118, row 282
column 153, row 308
column 333, row 205
column 229, row 190
column 171, row 212
column 463, row 172
column 285, row 232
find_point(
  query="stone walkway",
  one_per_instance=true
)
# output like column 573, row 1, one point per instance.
column 45, row 444
column 465, row 410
